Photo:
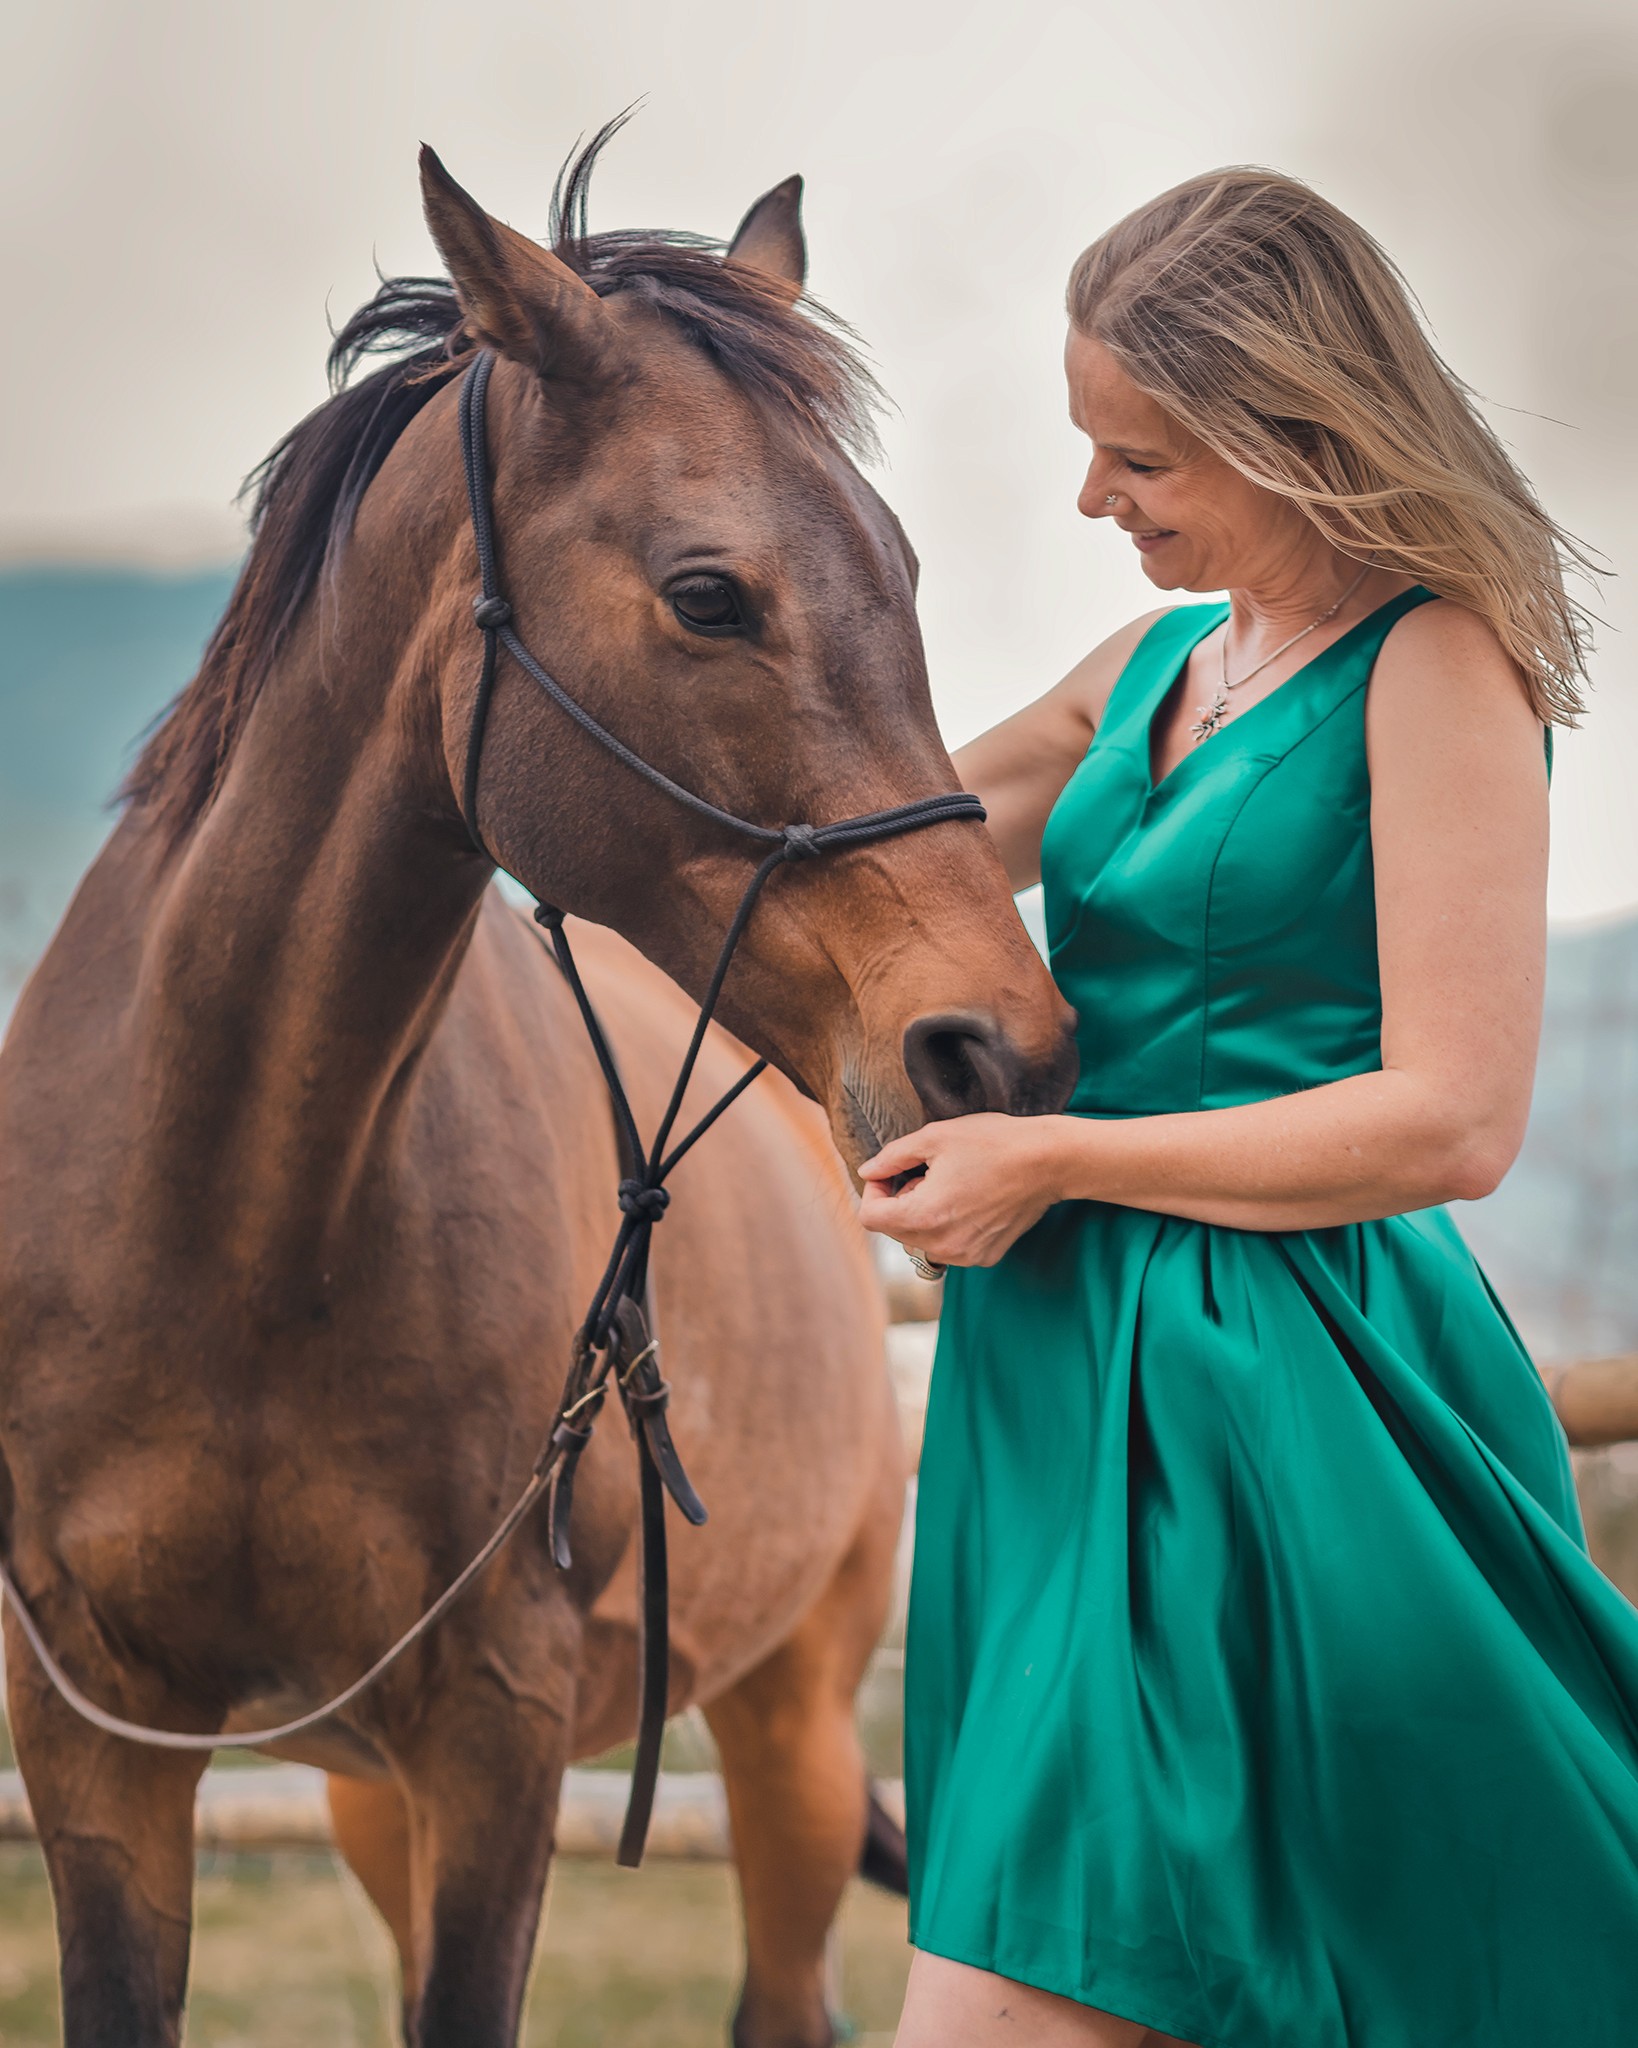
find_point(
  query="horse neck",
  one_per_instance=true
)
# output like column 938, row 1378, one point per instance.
column 307, row 940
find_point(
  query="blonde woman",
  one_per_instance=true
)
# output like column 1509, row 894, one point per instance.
column 1261, row 1693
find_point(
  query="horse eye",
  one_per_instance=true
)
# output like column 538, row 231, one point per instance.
column 707, row 604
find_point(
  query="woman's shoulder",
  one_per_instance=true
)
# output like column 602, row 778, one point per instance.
column 1441, row 621
column 1446, row 698
column 1092, row 681
column 1441, row 661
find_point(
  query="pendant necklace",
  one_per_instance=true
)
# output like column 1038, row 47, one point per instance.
column 1212, row 716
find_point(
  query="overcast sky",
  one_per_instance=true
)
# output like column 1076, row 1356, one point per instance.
column 189, row 189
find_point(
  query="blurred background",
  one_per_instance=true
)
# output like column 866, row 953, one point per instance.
column 191, row 192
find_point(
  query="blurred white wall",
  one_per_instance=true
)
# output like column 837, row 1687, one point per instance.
column 188, row 187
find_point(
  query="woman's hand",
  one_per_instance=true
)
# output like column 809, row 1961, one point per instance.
column 981, row 1181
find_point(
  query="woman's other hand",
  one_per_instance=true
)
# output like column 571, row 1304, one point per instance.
column 977, row 1183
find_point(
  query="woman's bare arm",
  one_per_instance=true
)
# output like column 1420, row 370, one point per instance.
column 1020, row 766
column 1459, row 835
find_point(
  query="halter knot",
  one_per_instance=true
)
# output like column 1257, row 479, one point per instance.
column 637, row 1199
column 491, row 613
column 802, row 843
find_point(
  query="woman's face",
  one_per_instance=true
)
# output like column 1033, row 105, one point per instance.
column 1195, row 520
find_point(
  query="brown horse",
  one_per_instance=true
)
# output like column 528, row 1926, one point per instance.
column 306, row 1169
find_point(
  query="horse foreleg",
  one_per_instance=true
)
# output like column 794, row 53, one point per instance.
column 115, row 1823
column 797, row 1794
column 371, row 1825
column 481, row 1785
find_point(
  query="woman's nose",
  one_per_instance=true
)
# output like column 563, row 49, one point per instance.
column 1096, row 500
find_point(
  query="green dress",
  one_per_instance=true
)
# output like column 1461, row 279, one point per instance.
column 1259, row 1686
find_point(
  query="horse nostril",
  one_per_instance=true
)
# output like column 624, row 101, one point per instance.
column 960, row 1063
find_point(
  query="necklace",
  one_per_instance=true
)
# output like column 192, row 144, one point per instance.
column 1212, row 716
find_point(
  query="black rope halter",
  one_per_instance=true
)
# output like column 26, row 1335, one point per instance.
column 615, row 1338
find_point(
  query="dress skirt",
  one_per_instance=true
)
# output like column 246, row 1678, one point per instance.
column 1260, row 1688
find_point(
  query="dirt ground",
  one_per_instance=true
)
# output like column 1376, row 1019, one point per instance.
column 287, row 1954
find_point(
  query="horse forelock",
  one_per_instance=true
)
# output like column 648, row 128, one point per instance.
column 801, row 362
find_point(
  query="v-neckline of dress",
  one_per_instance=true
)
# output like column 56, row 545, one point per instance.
column 1170, row 681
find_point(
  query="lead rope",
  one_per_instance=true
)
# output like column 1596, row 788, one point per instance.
column 615, row 1339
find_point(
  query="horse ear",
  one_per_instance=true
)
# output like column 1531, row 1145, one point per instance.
column 518, row 297
column 769, row 239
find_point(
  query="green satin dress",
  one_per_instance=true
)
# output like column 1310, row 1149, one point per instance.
column 1259, row 1686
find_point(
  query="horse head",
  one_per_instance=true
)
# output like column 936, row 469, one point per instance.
column 689, row 547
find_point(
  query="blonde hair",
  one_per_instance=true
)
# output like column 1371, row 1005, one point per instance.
column 1277, row 332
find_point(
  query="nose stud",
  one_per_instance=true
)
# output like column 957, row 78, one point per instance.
column 1111, row 497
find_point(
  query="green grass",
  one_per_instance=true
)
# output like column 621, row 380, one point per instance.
column 288, row 1955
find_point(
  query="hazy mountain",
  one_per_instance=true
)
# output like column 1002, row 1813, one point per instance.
column 1559, row 1237
column 88, row 658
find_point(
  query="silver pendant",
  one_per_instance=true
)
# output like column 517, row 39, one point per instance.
column 1211, row 719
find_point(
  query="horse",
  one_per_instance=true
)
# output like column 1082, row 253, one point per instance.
column 306, row 1165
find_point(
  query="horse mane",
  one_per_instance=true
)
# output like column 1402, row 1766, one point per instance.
column 304, row 497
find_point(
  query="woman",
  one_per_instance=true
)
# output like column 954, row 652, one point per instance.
column 1261, row 1694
